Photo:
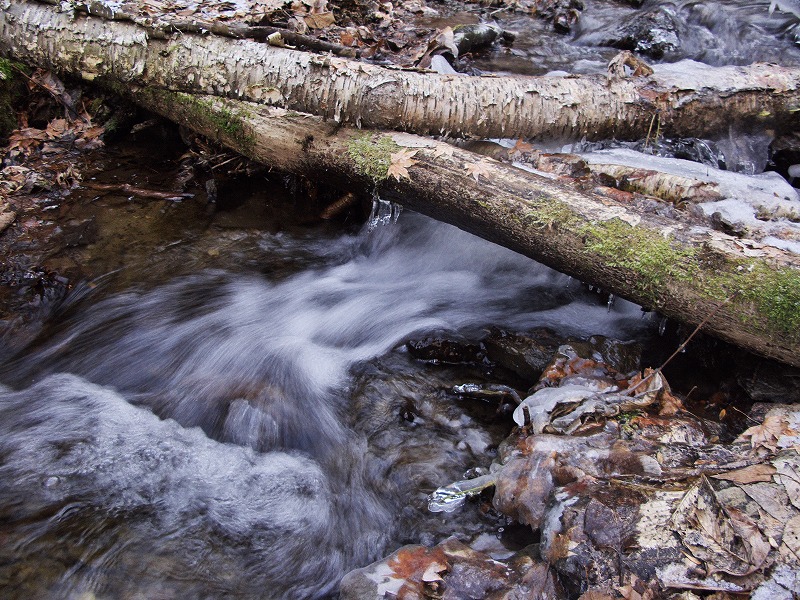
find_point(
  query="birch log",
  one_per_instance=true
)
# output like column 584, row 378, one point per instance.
column 686, row 272
column 677, row 99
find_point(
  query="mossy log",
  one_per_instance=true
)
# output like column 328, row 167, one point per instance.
column 685, row 272
column 675, row 100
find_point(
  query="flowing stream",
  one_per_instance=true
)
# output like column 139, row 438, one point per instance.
column 224, row 431
column 254, row 427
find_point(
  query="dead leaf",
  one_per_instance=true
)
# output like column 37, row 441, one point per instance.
column 443, row 42
column 789, row 477
column 756, row 545
column 6, row 218
column 726, row 540
column 790, row 543
column 602, row 525
column 636, row 590
column 596, row 595
column 768, row 433
column 56, row 128
column 26, row 140
column 319, row 20
column 521, row 148
column 434, row 571
column 751, row 474
column 669, row 405
column 400, row 161
column 479, row 168
column 412, row 562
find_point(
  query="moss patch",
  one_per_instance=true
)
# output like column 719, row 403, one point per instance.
column 775, row 294
column 549, row 213
column 372, row 155
column 226, row 121
column 653, row 258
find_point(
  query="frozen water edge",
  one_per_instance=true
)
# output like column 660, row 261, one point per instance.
column 745, row 197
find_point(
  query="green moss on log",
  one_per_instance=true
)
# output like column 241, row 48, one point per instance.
column 211, row 115
column 227, row 122
column 776, row 293
column 549, row 213
column 372, row 155
column 654, row 259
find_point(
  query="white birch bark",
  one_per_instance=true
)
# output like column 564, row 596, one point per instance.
column 348, row 92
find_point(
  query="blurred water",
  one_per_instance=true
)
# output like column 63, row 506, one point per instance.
column 717, row 33
column 225, row 454
column 238, row 432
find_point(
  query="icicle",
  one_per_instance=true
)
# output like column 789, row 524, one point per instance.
column 662, row 326
column 610, row 303
column 383, row 212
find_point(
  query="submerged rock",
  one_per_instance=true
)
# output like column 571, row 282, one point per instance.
column 654, row 33
column 442, row 349
column 527, row 355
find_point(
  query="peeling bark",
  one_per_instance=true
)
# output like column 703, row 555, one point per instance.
column 706, row 100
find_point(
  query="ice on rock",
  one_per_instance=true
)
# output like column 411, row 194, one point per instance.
column 763, row 205
column 786, row 6
column 541, row 403
column 790, row 245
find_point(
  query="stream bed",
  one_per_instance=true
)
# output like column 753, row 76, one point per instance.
column 227, row 400
column 247, row 416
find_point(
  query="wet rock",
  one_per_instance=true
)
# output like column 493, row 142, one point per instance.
column 608, row 363
column 474, row 38
column 527, row 355
column 445, row 350
column 654, row 33
column 769, row 382
column 80, row 232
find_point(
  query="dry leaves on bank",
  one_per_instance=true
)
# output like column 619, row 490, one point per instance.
column 780, row 429
column 723, row 538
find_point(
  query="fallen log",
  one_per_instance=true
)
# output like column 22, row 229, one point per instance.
column 680, row 100
column 686, row 272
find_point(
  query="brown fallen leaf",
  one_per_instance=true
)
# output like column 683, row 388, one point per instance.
column 788, row 476
column 751, row 474
column 479, row 168
column 6, row 218
column 596, row 595
column 521, row 148
column 767, row 434
column 413, row 562
column 400, row 161
column 725, row 539
column 602, row 525
column 756, row 546
column 319, row 20
column 26, row 140
column 636, row 590
column 56, row 128
column 790, row 542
